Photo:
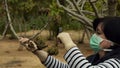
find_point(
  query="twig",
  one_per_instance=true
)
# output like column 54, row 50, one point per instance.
column 39, row 31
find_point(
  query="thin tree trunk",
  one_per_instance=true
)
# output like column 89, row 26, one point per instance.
column 83, row 36
column 9, row 20
column 5, row 30
column 10, row 24
column 88, row 33
column 20, row 29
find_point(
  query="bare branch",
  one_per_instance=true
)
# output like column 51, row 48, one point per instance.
column 78, row 10
column 88, row 21
column 94, row 8
column 104, row 8
column 104, row 1
column 78, row 2
column 85, row 12
column 83, row 18
column 70, row 4
column 87, row 26
column 93, row 1
column 34, row 36
column 88, row 12
column 83, row 3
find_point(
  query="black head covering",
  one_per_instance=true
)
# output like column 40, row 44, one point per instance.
column 111, row 29
column 96, row 22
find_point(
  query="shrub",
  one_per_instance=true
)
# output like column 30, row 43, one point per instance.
column 40, row 43
column 53, row 50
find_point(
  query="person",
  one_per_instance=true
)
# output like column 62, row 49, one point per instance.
column 98, row 42
column 106, row 56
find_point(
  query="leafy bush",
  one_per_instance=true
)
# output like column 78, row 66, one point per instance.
column 40, row 43
column 12, row 37
column 2, row 25
column 53, row 50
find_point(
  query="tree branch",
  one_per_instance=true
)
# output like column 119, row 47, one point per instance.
column 88, row 12
column 77, row 8
column 70, row 4
column 78, row 2
column 93, row 1
column 34, row 36
column 85, row 19
column 83, row 3
column 94, row 8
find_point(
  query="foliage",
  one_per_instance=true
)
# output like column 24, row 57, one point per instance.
column 11, row 37
column 20, row 8
column 55, row 10
column 53, row 50
column 38, row 22
column 26, row 13
column 118, row 8
column 2, row 26
column 40, row 43
column 55, row 14
column 72, row 25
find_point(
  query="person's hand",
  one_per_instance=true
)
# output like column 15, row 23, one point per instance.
column 29, row 44
column 66, row 40
column 106, row 44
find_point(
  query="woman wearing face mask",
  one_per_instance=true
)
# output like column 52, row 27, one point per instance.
column 98, row 41
column 106, row 48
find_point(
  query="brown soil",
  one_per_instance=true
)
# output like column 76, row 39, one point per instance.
column 10, row 57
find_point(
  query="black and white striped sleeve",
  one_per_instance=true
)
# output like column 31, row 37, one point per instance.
column 75, row 59
column 51, row 62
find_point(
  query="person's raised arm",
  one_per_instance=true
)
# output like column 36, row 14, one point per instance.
column 31, row 46
column 47, row 60
column 75, row 58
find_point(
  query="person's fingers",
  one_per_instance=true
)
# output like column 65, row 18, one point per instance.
column 28, row 44
column 20, row 38
column 24, row 40
column 29, row 47
column 105, row 44
column 33, row 44
column 63, row 36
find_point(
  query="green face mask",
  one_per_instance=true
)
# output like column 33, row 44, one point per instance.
column 95, row 41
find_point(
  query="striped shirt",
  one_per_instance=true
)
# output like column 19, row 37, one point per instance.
column 75, row 59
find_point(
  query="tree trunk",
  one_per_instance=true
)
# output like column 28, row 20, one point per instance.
column 83, row 36
column 20, row 29
column 9, row 20
column 88, row 34
column 5, row 30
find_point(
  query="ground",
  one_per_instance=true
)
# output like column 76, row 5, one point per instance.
column 10, row 57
